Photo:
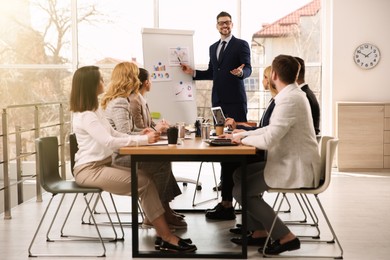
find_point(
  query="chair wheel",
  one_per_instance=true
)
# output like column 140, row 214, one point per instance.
column 198, row 187
column 185, row 184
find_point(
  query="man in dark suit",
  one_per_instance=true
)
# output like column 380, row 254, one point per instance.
column 229, row 65
column 314, row 106
column 227, row 69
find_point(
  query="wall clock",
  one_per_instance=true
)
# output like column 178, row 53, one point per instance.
column 366, row 56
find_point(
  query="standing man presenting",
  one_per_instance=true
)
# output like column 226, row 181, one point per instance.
column 229, row 65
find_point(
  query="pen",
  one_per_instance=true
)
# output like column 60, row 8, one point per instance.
column 178, row 59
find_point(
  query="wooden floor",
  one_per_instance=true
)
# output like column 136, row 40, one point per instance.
column 358, row 206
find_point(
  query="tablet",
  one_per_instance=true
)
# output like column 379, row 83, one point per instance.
column 219, row 117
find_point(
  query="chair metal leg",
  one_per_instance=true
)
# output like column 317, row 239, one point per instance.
column 313, row 240
column 116, row 212
column 51, row 224
column 312, row 214
column 288, row 210
column 110, row 222
column 67, row 215
column 330, row 228
column 77, row 237
column 39, row 226
column 306, row 209
column 197, row 183
column 54, row 218
column 117, row 217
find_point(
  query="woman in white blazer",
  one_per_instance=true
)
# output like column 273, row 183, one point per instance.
column 293, row 160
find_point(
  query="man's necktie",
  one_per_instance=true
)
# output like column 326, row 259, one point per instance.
column 267, row 113
column 221, row 51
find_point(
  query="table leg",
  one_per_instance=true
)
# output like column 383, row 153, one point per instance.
column 134, row 208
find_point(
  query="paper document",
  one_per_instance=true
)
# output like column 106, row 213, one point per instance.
column 160, row 142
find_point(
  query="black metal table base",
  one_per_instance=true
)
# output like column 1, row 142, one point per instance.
column 200, row 253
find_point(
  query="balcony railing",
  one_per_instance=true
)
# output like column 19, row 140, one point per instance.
column 20, row 126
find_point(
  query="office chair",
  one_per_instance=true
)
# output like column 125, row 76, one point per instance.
column 73, row 148
column 327, row 151
column 305, row 206
column 51, row 181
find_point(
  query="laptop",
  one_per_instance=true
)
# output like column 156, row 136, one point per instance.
column 219, row 117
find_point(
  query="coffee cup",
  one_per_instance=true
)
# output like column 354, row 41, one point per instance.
column 219, row 129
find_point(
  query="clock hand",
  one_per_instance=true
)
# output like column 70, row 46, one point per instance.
column 363, row 53
column 368, row 54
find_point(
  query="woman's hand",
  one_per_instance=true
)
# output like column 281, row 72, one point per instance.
column 153, row 136
column 162, row 126
column 146, row 131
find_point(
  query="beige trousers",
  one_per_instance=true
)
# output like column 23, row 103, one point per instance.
column 117, row 181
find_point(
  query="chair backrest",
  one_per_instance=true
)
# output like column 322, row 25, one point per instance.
column 73, row 148
column 327, row 150
column 322, row 150
column 48, row 160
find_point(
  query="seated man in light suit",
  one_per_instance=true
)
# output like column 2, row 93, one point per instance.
column 293, row 160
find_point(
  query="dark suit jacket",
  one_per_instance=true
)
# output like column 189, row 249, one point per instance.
column 261, row 155
column 264, row 121
column 315, row 107
column 228, row 90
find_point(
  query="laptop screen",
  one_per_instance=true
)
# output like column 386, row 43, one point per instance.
column 219, row 117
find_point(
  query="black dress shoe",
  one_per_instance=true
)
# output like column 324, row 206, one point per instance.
column 217, row 207
column 158, row 241
column 251, row 241
column 276, row 248
column 221, row 213
column 218, row 188
column 182, row 247
column 238, row 231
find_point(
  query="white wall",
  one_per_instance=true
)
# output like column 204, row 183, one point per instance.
column 356, row 22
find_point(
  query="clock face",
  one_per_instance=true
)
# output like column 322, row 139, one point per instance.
column 366, row 56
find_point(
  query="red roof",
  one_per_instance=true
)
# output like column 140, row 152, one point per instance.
column 288, row 24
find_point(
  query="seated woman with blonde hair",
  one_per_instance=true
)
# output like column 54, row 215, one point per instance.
column 117, row 107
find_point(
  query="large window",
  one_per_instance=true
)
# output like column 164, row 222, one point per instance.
column 43, row 41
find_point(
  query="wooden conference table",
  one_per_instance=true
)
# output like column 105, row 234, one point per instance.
column 189, row 150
